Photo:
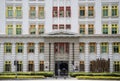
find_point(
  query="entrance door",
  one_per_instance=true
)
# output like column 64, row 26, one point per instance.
column 61, row 68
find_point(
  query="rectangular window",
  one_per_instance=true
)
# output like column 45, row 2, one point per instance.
column 105, row 29
column 82, row 29
column 114, row 11
column 31, row 47
column 18, row 12
column 61, row 11
column 90, row 11
column 9, row 30
column 9, row 12
column 41, row 47
column 8, row 66
column 55, row 26
column 31, row 66
column 19, row 66
column 68, row 27
column 55, row 11
column 41, row 29
column 18, row 29
column 105, row 11
column 32, row 29
column 68, row 11
column 41, row 12
column 82, row 66
column 61, row 26
column 82, row 11
column 116, row 47
column 116, row 66
column 32, row 12
column 82, row 47
column 41, row 66
column 92, row 47
column 114, row 29
column 19, row 47
column 104, row 47
column 8, row 48
column 90, row 29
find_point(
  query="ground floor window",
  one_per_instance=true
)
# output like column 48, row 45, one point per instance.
column 19, row 66
column 41, row 66
column 7, row 66
column 31, row 66
column 116, row 66
column 82, row 66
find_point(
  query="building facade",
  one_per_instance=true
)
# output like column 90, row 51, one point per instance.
column 52, row 35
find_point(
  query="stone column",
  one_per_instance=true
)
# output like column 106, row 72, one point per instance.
column 70, row 57
column 98, row 50
column 2, row 57
column 46, row 56
column 14, row 57
column 86, row 57
column 111, row 57
column 36, row 59
column 52, row 57
column 25, row 60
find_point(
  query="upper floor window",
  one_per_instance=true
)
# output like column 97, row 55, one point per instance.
column 90, row 11
column 114, row 29
column 32, row 29
column 9, row 12
column 18, row 29
column 82, row 11
column 105, row 11
column 55, row 26
column 81, row 47
column 90, row 29
column 9, row 30
column 92, row 48
column 68, row 11
column 41, row 12
column 104, row 47
column 55, row 11
column 41, row 29
column 32, row 12
column 61, row 26
column 68, row 26
column 31, row 47
column 41, row 47
column 82, row 29
column 114, row 11
column 18, row 12
column 8, row 48
column 116, row 47
column 19, row 47
column 105, row 29
column 61, row 11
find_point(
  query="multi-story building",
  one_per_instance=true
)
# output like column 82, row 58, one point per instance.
column 48, row 35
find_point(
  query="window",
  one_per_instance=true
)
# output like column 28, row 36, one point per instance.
column 9, row 30
column 105, row 29
column 32, row 12
column 116, row 66
column 41, row 47
column 82, row 47
column 90, row 29
column 19, row 66
column 68, row 11
column 32, row 29
column 104, row 47
column 82, row 11
column 61, row 11
column 90, row 11
column 82, row 29
column 114, row 28
column 92, row 47
column 55, row 26
column 41, row 29
column 8, row 48
column 30, row 47
column 8, row 66
column 82, row 66
column 9, row 12
column 18, row 29
column 19, row 47
column 31, row 66
column 105, row 11
column 116, row 47
column 61, row 26
column 114, row 11
column 18, row 12
column 55, row 11
column 41, row 12
column 41, row 66
column 68, row 27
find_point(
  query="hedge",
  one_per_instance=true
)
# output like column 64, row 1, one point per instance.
column 46, row 74
column 74, row 74
column 99, row 77
column 20, row 77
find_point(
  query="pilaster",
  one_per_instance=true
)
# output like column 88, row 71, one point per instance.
column 52, row 57
column 98, row 50
column 111, row 57
column 36, row 59
column 70, row 58
column 1, row 57
column 87, row 63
